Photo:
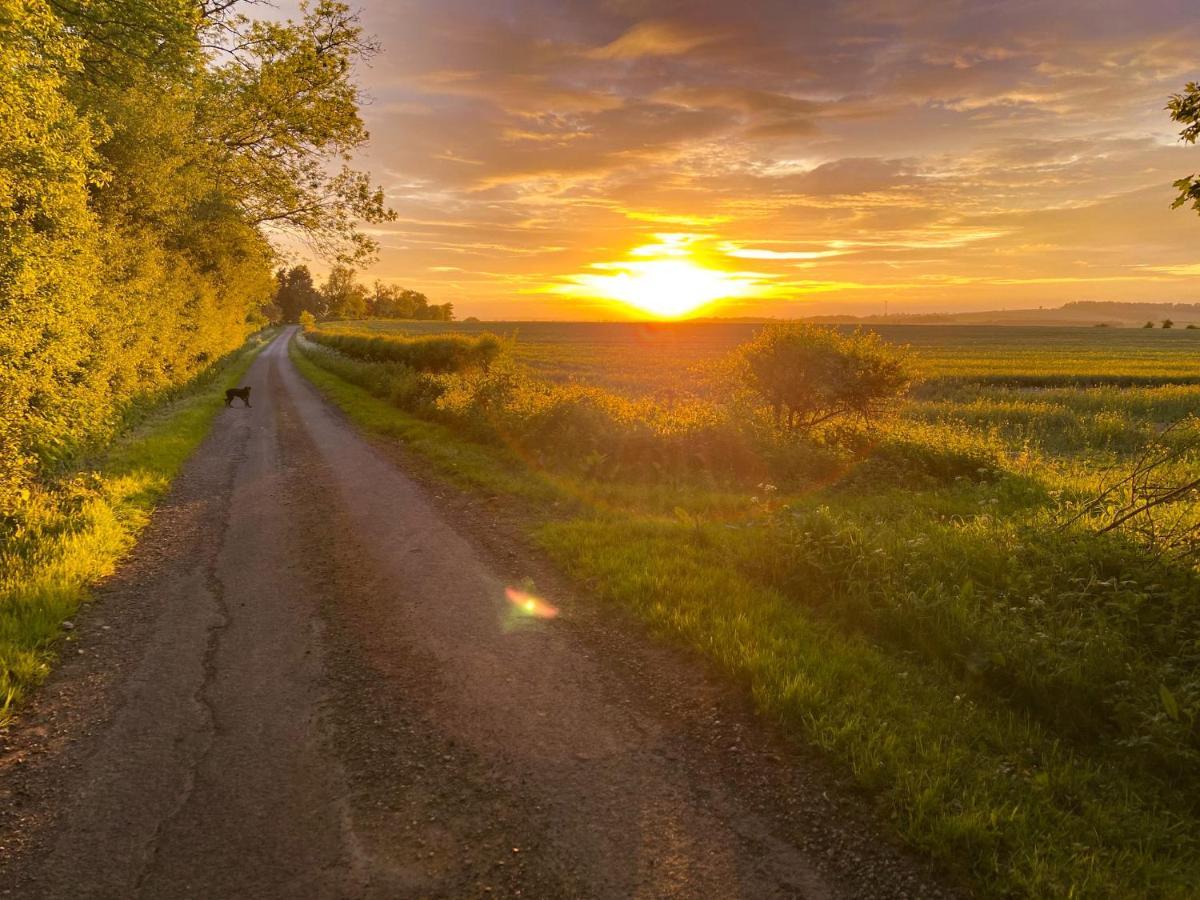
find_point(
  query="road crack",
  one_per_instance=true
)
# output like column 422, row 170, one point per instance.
column 215, row 595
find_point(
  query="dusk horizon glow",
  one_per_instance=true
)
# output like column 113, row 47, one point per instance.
column 800, row 158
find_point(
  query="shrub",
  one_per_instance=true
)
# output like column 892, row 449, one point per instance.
column 810, row 375
column 437, row 354
column 307, row 320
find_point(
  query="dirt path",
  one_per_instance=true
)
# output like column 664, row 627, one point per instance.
column 309, row 683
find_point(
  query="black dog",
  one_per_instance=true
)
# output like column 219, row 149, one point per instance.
column 243, row 392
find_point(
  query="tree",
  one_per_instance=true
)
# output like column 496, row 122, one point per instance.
column 278, row 106
column 1148, row 325
column 296, row 293
column 392, row 302
column 150, row 150
column 47, row 242
column 1185, row 111
column 1167, row 323
column 389, row 301
column 343, row 296
column 809, row 375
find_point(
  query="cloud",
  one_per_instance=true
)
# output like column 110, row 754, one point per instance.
column 953, row 154
column 661, row 37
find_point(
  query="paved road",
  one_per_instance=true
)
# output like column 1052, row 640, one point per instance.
column 308, row 681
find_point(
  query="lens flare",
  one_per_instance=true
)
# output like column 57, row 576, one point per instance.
column 526, row 604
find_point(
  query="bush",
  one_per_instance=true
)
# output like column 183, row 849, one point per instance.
column 307, row 320
column 437, row 354
column 809, row 375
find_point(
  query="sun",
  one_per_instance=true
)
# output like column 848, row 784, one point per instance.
column 667, row 281
column 669, row 288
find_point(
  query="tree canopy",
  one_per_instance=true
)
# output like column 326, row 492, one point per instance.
column 808, row 374
column 150, row 153
column 1185, row 110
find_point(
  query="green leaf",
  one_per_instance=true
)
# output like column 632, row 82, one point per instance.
column 1168, row 702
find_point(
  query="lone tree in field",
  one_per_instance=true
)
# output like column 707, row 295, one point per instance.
column 809, row 375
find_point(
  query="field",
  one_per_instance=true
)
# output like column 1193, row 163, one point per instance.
column 932, row 601
column 651, row 357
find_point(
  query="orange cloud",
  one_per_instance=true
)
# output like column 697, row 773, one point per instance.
column 976, row 154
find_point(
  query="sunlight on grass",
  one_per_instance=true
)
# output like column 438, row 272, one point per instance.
column 903, row 598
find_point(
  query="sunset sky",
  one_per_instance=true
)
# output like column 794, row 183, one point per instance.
column 547, row 156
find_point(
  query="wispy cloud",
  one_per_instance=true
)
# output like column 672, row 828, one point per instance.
column 955, row 155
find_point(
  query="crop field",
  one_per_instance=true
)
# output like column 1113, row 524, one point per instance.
column 651, row 357
column 946, row 601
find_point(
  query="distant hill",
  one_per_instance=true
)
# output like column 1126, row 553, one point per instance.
column 1080, row 312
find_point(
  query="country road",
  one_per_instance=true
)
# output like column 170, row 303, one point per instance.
column 307, row 681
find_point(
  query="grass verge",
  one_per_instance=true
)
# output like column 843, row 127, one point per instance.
column 75, row 532
column 1017, row 805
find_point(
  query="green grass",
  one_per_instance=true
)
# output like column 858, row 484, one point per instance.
column 1022, row 699
column 74, row 533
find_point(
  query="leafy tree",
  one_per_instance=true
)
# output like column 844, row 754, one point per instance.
column 809, row 375
column 296, row 293
column 150, row 152
column 278, row 109
column 343, row 296
column 1167, row 323
column 47, row 242
column 1185, row 110
column 1148, row 325
column 389, row 301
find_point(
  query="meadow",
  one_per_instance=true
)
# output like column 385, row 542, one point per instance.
column 931, row 600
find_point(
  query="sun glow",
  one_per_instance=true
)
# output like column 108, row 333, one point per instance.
column 665, row 279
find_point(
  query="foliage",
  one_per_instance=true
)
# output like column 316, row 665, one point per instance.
column 1018, row 696
column 72, row 533
column 388, row 301
column 1156, row 496
column 48, row 242
column 438, row 354
column 296, row 294
column 149, row 152
column 810, row 375
column 342, row 296
column 1185, row 111
column 276, row 108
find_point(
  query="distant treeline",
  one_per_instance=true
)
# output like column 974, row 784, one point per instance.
column 147, row 150
column 342, row 297
column 1078, row 312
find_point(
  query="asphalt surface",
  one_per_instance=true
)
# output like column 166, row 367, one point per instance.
column 310, row 679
